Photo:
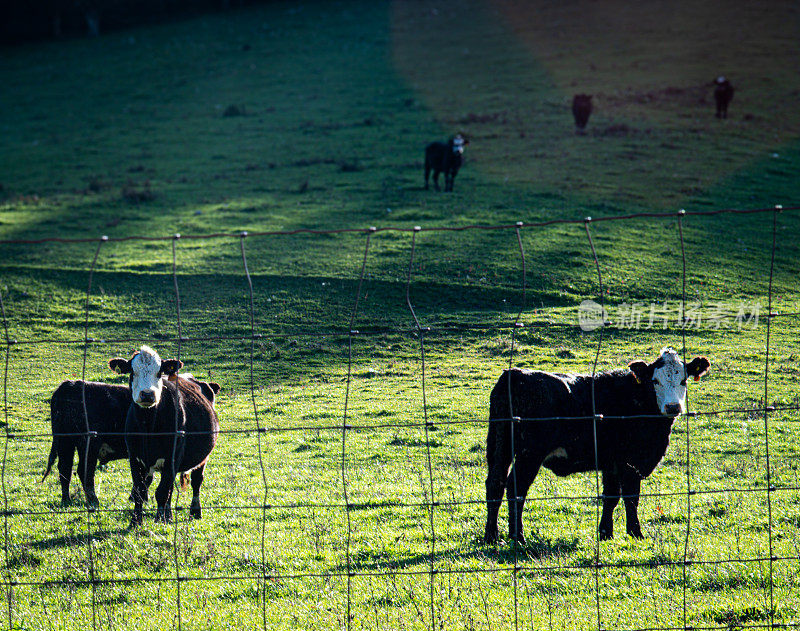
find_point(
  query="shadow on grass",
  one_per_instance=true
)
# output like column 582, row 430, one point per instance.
column 538, row 548
column 72, row 541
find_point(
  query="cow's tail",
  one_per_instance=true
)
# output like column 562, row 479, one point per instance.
column 51, row 459
column 184, row 481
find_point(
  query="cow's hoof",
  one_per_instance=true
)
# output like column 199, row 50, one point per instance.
column 92, row 504
column 491, row 537
column 136, row 521
column 636, row 533
column 518, row 538
column 65, row 502
column 196, row 513
column 605, row 535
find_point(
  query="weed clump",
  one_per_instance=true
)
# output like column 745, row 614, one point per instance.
column 97, row 185
column 234, row 110
column 137, row 194
column 350, row 166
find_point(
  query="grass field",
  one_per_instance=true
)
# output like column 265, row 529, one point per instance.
column 314, row 115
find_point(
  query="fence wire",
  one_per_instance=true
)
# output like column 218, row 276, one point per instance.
column 431, row 500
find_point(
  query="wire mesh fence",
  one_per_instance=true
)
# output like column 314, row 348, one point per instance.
column 433, row 591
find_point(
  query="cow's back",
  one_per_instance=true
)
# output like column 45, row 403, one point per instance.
column 435, row 154
column 201, row 423
column 106, row 406
column 534, row 394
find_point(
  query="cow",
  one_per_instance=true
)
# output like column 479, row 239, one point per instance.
column 97, row 433
column 581, row 110
column 444, row 157
column 171, row 427
column 723, row 95
column 636, row 409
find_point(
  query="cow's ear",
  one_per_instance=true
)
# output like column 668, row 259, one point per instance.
column 697, row 367
column 640, row 370
column 214, row 386
column 119, row 365
column 171, row 366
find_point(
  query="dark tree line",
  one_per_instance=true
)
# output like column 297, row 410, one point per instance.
column 23, row 21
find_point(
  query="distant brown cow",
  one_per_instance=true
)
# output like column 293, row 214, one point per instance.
column 581, row 109
column 723, row 94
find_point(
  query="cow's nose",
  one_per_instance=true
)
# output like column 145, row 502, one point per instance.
column 672, row 409
column 147, row 396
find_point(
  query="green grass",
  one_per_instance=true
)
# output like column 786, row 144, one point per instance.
column 125, row 135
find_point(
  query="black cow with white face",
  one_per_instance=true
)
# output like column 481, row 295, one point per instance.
column 638, row 405
column 723, row 95
column 444, row 157
column 171, row 427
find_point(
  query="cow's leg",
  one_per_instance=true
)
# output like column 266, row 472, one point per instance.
column 498, row 460
column 148, row 480
column 631, row 486
column 164, row 496
column 611, row 490
column 87, row 463
column 138, row 475
column 524, row 471
column 66, row 453
column 197, row 481
column 436, row 178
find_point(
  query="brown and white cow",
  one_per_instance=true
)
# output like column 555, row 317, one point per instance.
column 171, row 427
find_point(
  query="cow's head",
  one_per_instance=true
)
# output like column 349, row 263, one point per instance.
column 667, row 377
column 458, row 143
column 146, row 370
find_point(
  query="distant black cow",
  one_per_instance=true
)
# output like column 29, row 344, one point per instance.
column 581, row 109
column 723, row 95
column 171, row 427
column 628, row 449
column 441, row 157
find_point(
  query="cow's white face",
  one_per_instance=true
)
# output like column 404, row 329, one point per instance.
column 458, row 144
column 146, row 382
column 669, row 382
column 668, row 375
column 146, row 370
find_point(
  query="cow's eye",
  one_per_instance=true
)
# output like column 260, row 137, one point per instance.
column 656, row 382
column 683, row 383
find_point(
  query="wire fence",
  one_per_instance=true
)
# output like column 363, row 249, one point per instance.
column 519, row 564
